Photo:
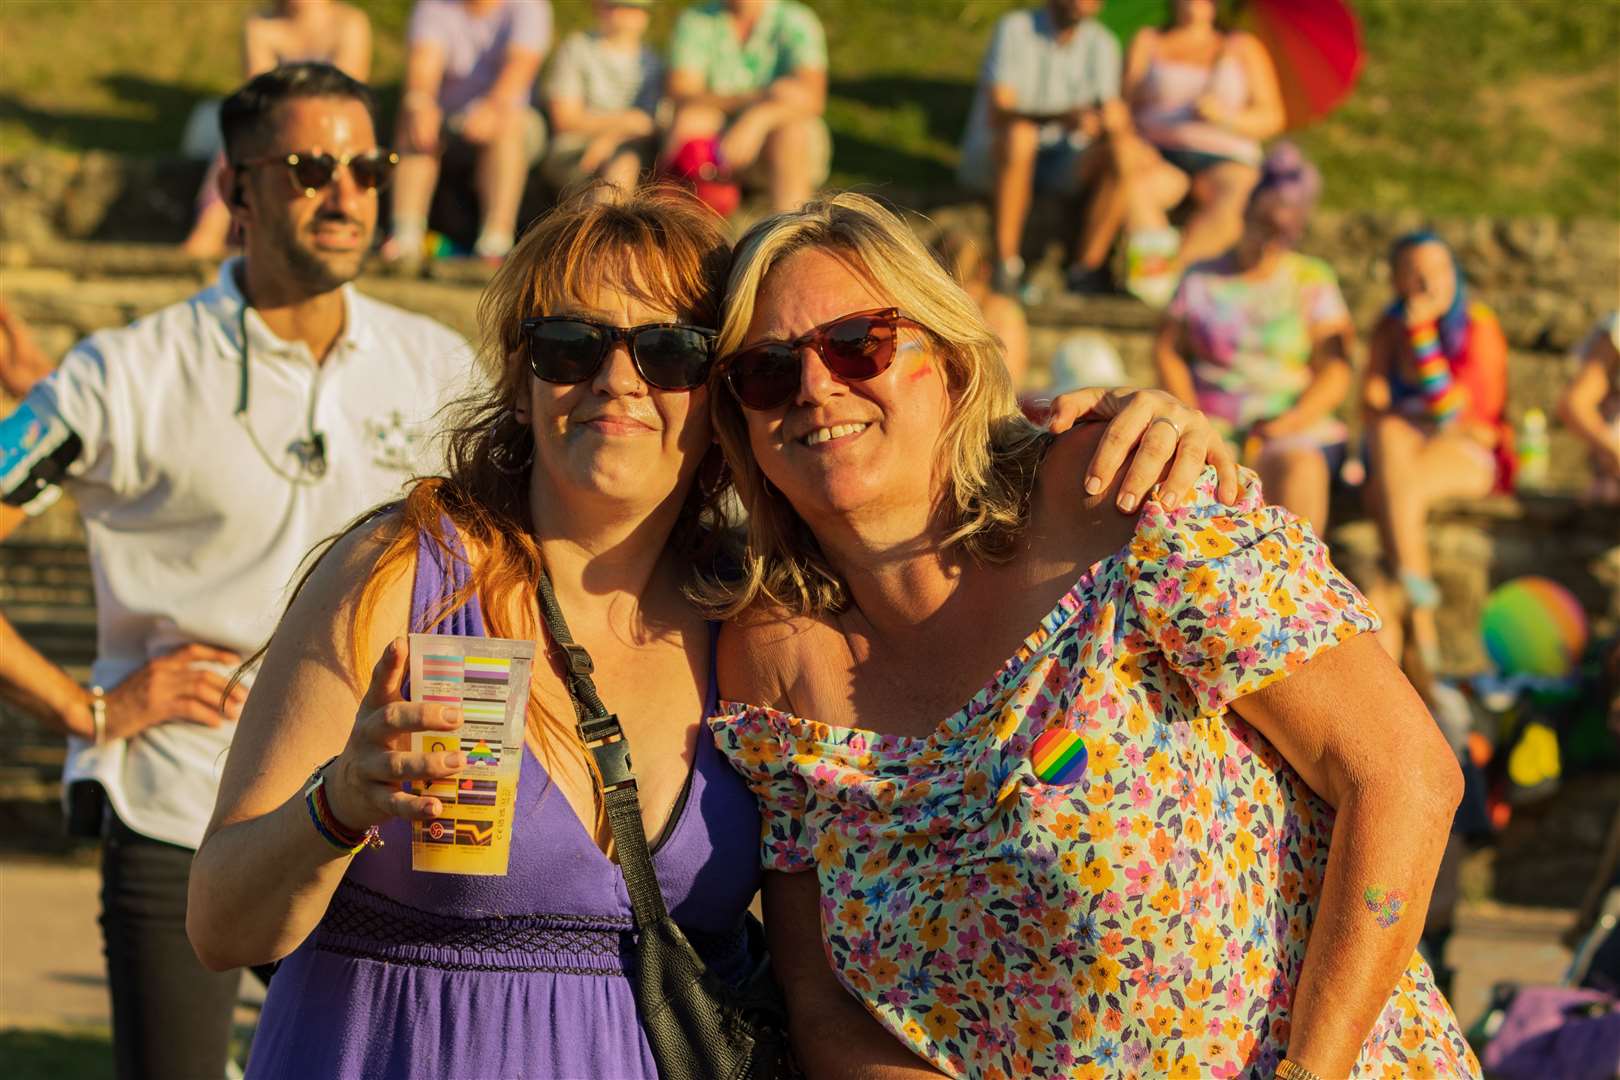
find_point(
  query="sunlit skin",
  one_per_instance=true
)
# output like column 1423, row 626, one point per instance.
column 621, row 22
column 308, row 243
column 613, row 435
column 1066, row 13
column 881, row 469
column 1195, row 13
column 1427, row 280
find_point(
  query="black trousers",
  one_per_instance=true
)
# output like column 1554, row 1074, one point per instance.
column 171, row 1015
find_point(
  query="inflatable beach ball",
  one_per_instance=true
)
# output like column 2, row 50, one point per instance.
column 1533, row 626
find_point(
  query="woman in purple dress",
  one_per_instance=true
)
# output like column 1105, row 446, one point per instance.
column 591, row 455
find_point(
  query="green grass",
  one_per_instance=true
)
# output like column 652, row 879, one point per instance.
column 1464, row 107
column 76, row 1053
column 57, row 1055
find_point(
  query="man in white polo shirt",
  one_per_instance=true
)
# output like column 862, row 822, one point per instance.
column 209, row 447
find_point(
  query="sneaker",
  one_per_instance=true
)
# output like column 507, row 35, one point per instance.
column 1148, row 273
column 493, row 247
column 1007, row 276
column 1154, row 290
column 1089, row 280
column 400, row 256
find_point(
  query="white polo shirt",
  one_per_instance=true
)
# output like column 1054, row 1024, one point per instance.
column 196, row 533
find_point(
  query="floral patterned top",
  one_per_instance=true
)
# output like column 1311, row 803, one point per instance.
column 1144, row 914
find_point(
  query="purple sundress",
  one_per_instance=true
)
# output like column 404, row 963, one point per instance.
column 443, row 975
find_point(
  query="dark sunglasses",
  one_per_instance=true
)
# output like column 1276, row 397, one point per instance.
column 567, row 349
column 313, row 172
column 854, row 347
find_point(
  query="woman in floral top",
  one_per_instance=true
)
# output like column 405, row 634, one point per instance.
column 1187, row 820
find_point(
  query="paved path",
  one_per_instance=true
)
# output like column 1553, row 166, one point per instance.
column 51, row 969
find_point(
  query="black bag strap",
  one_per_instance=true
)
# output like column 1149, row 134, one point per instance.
column 604, row 738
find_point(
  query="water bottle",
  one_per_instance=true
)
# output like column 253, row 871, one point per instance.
column 1532, row 449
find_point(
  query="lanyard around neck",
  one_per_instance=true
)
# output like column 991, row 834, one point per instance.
column 310, row 450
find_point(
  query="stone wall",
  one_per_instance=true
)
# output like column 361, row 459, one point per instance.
column 1548, row 279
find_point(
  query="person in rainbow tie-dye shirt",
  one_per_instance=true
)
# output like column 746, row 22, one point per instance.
column 1260, row 340
column 1434, row 401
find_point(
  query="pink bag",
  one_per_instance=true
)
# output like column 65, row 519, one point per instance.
column 1556, row 1033
column 696, row 163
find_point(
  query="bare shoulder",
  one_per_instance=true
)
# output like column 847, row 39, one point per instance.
column 356, row 575
column 1244, row 44
column 1063, row 471
column 1063, row 515
column 763, row 652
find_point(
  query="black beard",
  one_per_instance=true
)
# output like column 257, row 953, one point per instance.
column 311, row 270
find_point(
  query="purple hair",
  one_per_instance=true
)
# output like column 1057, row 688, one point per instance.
column 1288, row 176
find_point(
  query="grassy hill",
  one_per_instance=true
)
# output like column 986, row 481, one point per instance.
column 1466, row 106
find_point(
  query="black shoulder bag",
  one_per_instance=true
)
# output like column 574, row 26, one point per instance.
column 699, row 1027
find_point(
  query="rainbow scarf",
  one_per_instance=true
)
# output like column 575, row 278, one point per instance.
column 1437, row 346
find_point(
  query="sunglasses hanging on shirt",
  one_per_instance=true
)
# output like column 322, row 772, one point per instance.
column 310, row 450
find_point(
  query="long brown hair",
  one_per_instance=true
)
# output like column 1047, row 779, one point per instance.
column 658, row 243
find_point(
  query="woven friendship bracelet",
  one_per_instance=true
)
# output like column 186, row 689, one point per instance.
column 327, row 824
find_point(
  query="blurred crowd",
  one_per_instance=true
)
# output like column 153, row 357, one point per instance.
column 1162, row 145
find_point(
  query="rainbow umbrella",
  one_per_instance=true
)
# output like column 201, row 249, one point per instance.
column 1315, row 45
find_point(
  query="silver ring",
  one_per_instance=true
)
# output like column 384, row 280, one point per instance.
column 1166, row 420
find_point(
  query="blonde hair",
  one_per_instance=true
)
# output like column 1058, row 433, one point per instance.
column 958, row 251
column 987, row 451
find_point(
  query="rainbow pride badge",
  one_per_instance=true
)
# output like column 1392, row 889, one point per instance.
column 1059, row 756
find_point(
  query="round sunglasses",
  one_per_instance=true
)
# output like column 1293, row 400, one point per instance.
column 312, row 172
column 567, row 349
column 855, row 347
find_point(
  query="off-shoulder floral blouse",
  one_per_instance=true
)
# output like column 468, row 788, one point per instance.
column 1143, row 912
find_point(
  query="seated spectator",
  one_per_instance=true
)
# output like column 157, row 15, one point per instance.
column 1433, row 403
column 1590, row 406
column 1048, row 94
column 469, row 76
column 602, row 96
column 1260, row 340
column 964, row 260
column 752, row 76
column 1202, row 99
column 290, row 32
